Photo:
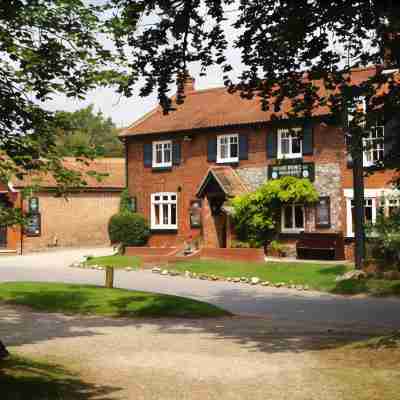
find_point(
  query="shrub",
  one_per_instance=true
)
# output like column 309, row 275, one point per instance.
column 257, row 214
column 128, row 229
column 383, row 240
column 125, row 202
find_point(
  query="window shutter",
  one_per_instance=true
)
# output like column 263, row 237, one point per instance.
column 243, row 147
column 392, row 132
column 212, row 149
column 308, row 140
column 148, row 154
column 272, row 143
column 176, row 153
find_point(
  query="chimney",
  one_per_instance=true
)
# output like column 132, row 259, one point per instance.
column 189, row 84
column 185, row 82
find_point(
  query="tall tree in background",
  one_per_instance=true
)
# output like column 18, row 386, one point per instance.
column 47, row 47
column 84, row 129
column 289, row 50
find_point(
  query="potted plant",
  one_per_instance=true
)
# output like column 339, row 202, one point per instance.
column 276, row 249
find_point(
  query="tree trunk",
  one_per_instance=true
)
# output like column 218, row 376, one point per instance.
column 3, row 351
column 109, row 277
column 358, row 189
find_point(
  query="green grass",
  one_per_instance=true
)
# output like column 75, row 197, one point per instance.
column 22, row 378
column 115, row 261
column 317, row 276
column 94, row 300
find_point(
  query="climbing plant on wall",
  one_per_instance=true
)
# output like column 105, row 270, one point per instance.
column 256, row 215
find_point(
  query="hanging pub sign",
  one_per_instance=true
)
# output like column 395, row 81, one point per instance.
column 33, row 226
column 195, row 214
column 132, row 204
column 323, row 213
column 33, row 205
column 299, row 170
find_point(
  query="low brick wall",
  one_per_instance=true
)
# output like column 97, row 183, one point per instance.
column 251, row 255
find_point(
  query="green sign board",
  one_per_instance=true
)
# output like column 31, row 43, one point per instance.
column 299, row 170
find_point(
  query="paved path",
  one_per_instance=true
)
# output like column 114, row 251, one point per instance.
column 280, row 305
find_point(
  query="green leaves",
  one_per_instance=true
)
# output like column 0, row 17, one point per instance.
column 257, row 215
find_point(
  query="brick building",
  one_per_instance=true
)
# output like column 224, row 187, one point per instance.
column 79, row 220
column 182, row 167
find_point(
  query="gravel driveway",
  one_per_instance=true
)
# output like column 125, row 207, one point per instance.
column 224, row 359
column 290, row 348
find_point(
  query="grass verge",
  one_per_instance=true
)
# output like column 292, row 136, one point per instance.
column 116, row 261
column 23, row 378
column 317, row 276
column 94, row 300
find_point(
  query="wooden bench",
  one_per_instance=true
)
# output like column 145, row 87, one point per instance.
column 325, row 246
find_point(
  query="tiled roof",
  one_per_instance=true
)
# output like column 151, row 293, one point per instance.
column 228, row 180
column 216, row 108
column 114, row 167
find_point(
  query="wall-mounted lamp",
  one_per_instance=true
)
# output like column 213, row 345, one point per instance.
column 187, row 138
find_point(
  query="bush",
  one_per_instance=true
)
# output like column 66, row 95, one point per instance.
column 383, row 240
column 128, row 229
column 125, row 202
column 257, row 214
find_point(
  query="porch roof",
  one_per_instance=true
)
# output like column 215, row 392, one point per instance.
column 227, row 179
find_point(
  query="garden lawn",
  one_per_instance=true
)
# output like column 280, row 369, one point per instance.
column 116, row 261
column 94, row 300
column 317, row 276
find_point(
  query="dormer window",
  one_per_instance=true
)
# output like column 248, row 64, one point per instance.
column 228, row 148
column 162, row 154
column 290, row 143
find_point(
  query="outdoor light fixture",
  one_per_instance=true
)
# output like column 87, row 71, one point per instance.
column 187, row 138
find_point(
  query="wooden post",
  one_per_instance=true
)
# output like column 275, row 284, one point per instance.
column 109, row 277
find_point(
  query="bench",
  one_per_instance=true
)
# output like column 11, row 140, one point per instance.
column 324, row 246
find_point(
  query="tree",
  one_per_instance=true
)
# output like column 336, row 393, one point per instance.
column 86, row 129
column 46, row 47
column 290, row 50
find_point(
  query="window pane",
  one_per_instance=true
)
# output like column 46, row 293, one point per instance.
column 157, row 214
column 234, row 149
column 159, row 154
column 167, row 153
column 173, row 197
column 165, row 214
column 285, row 146
column 288, row 217
column 296, row 144
column 173, row 214
column 224, row 150
column 165, row 197
column 299, row 217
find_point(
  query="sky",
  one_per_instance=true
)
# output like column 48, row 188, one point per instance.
column 124, row 111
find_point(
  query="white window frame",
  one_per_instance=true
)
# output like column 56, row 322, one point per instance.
column 349, row 214
column 368, row 143
column 163, row 163
column 228, row 159
column 161, row 202
column 290, row 154
column 293, row 229
column 360, row 104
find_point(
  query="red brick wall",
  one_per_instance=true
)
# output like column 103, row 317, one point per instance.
column 329, row 147
column 80, row 220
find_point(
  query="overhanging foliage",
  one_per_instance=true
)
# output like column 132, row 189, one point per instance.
column 256, row 215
